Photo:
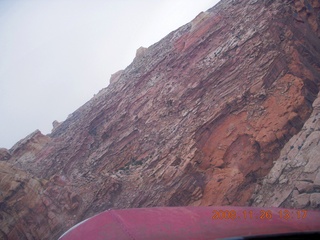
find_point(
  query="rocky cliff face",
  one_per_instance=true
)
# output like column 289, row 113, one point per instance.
column 221, row 111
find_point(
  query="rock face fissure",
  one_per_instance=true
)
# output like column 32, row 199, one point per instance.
column 222, row 111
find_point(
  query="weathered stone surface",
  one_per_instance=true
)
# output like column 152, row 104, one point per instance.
column 315, row 200
column 301, row 201
column 141, row 52
column 299, row 159
column 25, row 151
column 4, row 154
column 298, row 162
column 32, row 208
column 198, row 118
column 55, row 124
column 304, row 186
column 116, row 76
column 316, row 180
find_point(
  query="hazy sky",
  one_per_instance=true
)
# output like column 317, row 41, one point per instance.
column 56, row 54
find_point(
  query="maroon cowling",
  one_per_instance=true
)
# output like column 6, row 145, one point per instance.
column 193, row 223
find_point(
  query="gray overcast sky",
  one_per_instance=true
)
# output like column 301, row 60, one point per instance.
column 55, row 55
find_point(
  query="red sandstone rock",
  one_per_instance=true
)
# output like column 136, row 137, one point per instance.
column 198, row 118
column 33, row 208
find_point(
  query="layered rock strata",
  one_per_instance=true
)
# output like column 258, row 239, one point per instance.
column 198, row 118
column 294, row 180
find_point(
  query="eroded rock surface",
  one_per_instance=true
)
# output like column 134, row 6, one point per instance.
column 294, row 180
column 198, row 118
column 4, row 154
column 33, row 208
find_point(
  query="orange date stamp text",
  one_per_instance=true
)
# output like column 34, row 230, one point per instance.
column 266, row 214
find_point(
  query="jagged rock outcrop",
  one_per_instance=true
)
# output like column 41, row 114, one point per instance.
column 294, row 180
column 26, row 149
column 33, row 208
column 141, row 51
column 55, row 124
column 4, row 154
column 116, row 76
column 198, row 118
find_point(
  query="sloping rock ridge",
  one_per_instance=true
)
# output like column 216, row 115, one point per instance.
column 222, row 111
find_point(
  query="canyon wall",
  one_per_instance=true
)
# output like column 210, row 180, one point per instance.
column 222, row 111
